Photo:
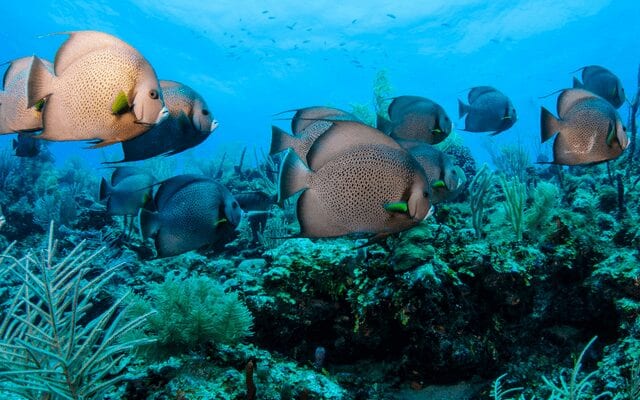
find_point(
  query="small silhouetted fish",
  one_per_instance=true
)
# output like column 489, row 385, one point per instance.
column 488, row 110
column 256, row 206
column 272, row 17
column 265, row 11
column 194, row 211
column 365, row 188
column 103, row 90
column 589, row 129
column 26, row 146
column 354, row 21
column 190, row 123
column 391, row 16
column 291, row 26
column 602, row 82
column 445, row 179
column 416, row 118
column 129, row 190
column 15, row 116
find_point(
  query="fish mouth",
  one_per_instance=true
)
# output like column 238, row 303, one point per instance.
column 214, row 125
column 163, row 114
column 431, row 211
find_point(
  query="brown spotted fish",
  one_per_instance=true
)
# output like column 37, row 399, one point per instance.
column 347, row 133
column 15, row 116
column 190, row 122
column 488, row 110
column 588, row 128
column 445, row 179
column 416, row 118
column 193, row 211
column 103, row 90
column 602, row 82
column 365, row 188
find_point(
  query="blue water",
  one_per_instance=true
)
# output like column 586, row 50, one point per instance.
column 250, row 64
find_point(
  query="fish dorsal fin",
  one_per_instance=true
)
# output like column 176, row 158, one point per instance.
column 342, row 136
column 173, row 185
column 410, row 144
column 121, row 173
column 16, row 67
column 570, row 97
column 306, row 116
column 81, row 43
column 478, row 91
column 398, row 104
column 164, row 84
column 590, row 71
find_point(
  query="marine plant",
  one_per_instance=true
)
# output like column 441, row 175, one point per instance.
column 479, row 187
column 515, row 195
column 511, row 160
column 382, row 90
column 50, row 344
column 189, row 314
column 574, row 388
column 545, row 198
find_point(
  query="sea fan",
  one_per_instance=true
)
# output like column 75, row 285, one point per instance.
column 48, row 348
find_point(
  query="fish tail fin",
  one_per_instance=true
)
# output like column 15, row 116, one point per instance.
column 462, row 109
column 383, row 124
column 148, row 223
column 105, row 189
column 294, row 176
column 549, row 125
column 576, row 83
column 280, row 140
column 39, row 85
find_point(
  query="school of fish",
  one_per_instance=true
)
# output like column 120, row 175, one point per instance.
column 351, row 179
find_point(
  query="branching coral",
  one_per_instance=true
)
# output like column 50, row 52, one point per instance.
column 479, row 187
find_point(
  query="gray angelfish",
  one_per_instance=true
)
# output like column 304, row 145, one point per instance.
column 602, row 82
column 589, row 130
column 193, row 211
column 416, row 118
column 129, row 190
column 488, row 110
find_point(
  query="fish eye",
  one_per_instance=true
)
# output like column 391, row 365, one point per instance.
column 234, row 205
column 153, row 94
column 205, row 112
column 425, row 194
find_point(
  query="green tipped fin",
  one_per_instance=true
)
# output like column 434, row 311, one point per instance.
column 39, row 105
column 221, row 221
column 120, row 104
column 611, row 134
column 438, row 184
column 398, row 207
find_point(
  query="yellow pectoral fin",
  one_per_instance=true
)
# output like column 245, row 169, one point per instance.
column 438, row 184
column 611, row 134
column 39, row 105
column 120, row 104
column 221, row 221
column 397, row 207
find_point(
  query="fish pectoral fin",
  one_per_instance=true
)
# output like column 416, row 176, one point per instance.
column 397, row 207
column 611, row 134
column 98, row 143
column 121, row 104
column 221, row 221
column 438, row 184
column 39, row 105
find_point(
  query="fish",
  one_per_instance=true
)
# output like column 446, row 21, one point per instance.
column 416, row 118
column 26, row 146
column 444, row 178
column 602, row 82
column 193, row 211
column 102, row 90
column 129, row 190
column 15, row 115
column 190, row 123
column 589, row 129
column 347, row 134
column 488, row 110
column 308, row 115
column 366, row 188
column 256, row 205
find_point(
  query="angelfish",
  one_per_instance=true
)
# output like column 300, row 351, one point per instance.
column 103, row 90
